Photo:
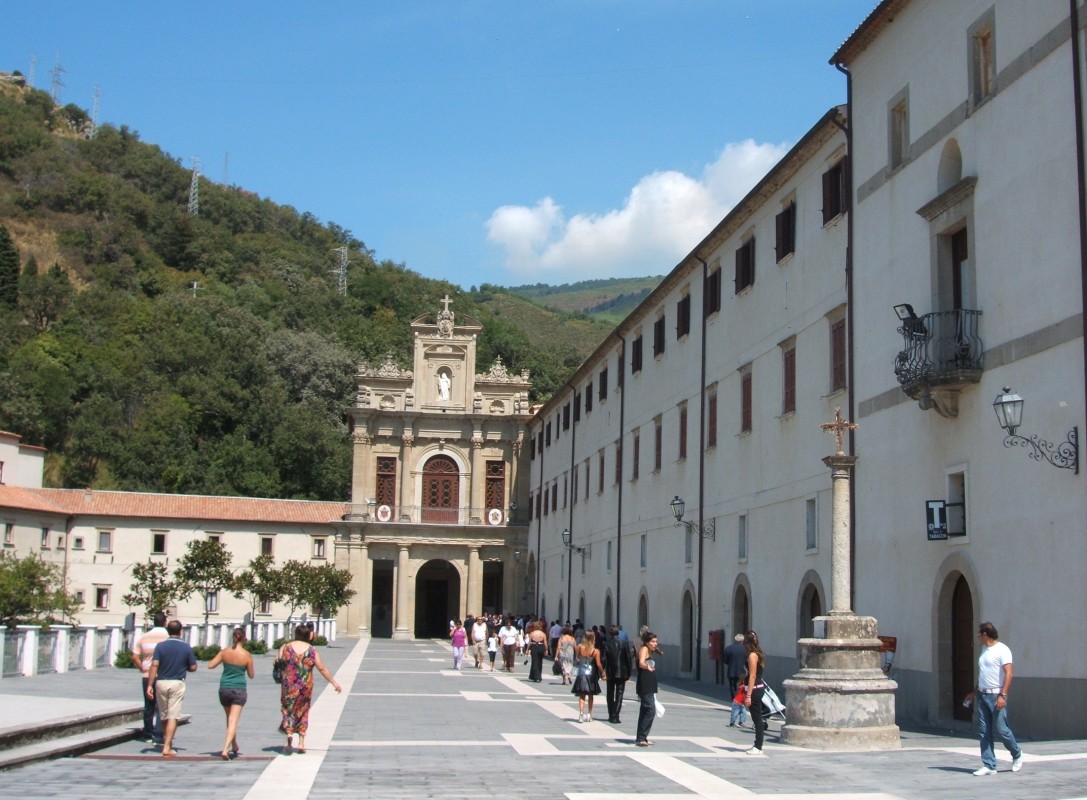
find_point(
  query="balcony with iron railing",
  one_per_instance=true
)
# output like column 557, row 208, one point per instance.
column 433, row 515
column 942, row 353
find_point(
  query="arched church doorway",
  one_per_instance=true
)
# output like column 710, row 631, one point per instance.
column 437, row 599
column 962, row 647
column 441, row 490
column 607, row 611
column 643, row 611
column 686, row 632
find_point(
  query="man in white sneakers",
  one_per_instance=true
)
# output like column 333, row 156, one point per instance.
column 994, row 682
column 479, row 641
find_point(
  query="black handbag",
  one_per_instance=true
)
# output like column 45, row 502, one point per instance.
column 278, row 666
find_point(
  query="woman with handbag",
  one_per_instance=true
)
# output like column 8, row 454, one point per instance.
column 755, row 689
column 567, row 643
column 237, row 664
column 299, row 659
column 537, row 649
column 646, row 687
column 587, row 674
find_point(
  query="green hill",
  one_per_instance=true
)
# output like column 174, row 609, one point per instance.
column 151, row 349
column 608, row 300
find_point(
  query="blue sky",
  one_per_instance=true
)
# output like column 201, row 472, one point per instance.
column 480, row 142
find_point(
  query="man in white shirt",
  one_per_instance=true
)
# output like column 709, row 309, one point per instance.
column 507, row 637
column 994, row 682
column 479, row 641
column 554, row 634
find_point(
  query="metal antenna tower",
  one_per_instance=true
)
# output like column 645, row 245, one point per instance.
column 226, row 168
column 58, row 82
column 33, row 69
column 94, row 111
column 341, row 270
column 194, row 188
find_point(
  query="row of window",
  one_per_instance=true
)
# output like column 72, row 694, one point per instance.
column 838, row 375
column 104, row 542
column 102, row 601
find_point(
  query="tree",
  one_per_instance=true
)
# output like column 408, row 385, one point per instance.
column 204, row 570
column 327, row 589
column 261, row 583
column 9, row 270
column 33, row 589
column 151, row 589
column 295, row 575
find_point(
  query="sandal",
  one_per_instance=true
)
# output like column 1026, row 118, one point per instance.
column 224, row 756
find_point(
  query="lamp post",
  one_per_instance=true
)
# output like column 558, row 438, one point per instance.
column 706, row 531
column 1009, row 413
column 587, row 550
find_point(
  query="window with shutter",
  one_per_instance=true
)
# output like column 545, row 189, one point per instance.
column 745, row 265
column 788, row 382
column 711, row 298
column 835, row 191
column 683, row 317
column 658, row 336
column 745, row 400
column 682, row 432
column 785, row 224
column 636, row 355
column 837, row 355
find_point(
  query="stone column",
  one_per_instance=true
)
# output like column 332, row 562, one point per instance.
column 407, row 443
column 362, row 469
column 364, row 580
column 840, row 699
column 841, row 471
column 403, row 587
column 477, row 501
column 475, row 582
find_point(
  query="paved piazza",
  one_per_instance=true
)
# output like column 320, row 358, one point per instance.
column 408, row 726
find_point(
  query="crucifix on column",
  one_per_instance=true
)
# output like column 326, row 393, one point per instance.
column 841, row 467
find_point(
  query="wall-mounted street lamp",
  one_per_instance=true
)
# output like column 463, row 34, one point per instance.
column 1009, row 413
column 707, row 531
column 568, row 539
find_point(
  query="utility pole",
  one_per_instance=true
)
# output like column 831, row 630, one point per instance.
column 341, row 270
column 194, row 188
column 58, row 82
column 94, row 111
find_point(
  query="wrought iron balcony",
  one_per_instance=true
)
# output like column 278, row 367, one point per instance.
column 432, row 515
column 942, row 353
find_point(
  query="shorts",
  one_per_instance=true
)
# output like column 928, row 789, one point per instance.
column 168, row 695
column 232, row 697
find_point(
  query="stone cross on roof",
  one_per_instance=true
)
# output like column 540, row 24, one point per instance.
column 838, row 427
column 446, row 301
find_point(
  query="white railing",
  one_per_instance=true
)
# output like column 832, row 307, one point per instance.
column 32, row 650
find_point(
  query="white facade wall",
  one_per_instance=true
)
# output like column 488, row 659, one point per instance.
column 1025, row 520
column 767, row 474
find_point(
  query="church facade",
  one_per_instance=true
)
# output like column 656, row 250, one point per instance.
column 437, row 526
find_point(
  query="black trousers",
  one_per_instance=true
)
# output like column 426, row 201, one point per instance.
column 647, row 710
column 758, row 715
column 616, row 688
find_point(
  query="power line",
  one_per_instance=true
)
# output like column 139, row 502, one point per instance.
column 58, row 82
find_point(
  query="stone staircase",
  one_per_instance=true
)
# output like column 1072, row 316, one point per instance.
column 78, row 733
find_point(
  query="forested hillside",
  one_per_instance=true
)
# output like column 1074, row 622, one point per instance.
column 151, row 349
column 608, row 300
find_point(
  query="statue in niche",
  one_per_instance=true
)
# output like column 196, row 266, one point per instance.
column 444, row 384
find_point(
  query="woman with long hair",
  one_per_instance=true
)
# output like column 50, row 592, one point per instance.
column 237, row 664
column 755, row 689
column 296, row 692
column 588, row 671
column 646, row 686
column 459, row 638
column 567, row 643
column 538, row 647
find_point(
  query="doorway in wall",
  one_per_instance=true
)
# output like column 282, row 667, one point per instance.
column 381, row 599
column 741, row 611
column 492, row 588
column 441, row 490
column 686, row 632
column 437, row 599
column 962, row 647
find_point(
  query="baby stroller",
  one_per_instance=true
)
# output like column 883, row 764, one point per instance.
column 772, row 706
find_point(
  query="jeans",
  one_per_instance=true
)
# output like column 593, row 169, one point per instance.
column 739, row 712
column 646, row 712
column 993, row 723
column 458, row 656
column 152, row 725
column 758, row 718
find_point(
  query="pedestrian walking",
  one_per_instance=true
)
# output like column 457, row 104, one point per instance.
column 459, row 638
column 143, row 648
column 237, row 664
column 646, row 686
column 492, row 649
column 479, row 640
column 618, row 664
column 171, row 661
column 995, row 673
column 588, row 671
column 537, row 649
column 554, row 634
column 755, row 689
column 507, row 637
column 736, row 670
column 300, row 659
column 567, row 643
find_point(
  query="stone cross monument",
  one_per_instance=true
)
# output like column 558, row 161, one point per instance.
column 840, row 699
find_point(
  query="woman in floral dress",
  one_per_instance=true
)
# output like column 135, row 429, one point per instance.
column 296, row 691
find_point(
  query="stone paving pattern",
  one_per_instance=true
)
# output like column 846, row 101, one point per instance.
column 408, row 726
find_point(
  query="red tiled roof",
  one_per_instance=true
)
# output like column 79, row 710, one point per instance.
column 28, row 500
column 176, row 506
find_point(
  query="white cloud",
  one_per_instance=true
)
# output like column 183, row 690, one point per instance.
column 665, row 215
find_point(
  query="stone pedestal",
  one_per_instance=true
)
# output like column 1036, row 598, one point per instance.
column 840, row 699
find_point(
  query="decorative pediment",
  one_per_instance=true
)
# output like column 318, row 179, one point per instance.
column 499, row 374
column 388, row 369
